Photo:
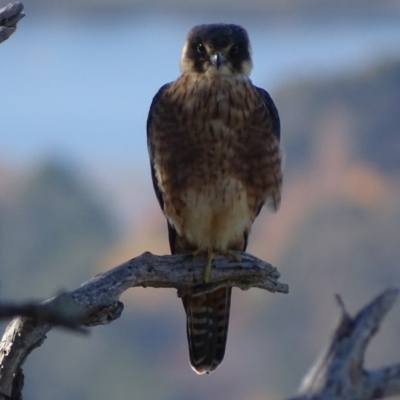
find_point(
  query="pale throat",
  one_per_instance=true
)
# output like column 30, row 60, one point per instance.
column 187, row 67
column 216, row 81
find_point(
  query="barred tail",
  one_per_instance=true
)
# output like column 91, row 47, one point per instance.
column 207, row 328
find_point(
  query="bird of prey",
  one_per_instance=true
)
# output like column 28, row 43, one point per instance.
column 213, row 139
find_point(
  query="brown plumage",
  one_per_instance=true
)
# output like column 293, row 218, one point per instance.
column 213, row 141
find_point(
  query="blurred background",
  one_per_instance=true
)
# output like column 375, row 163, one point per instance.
column 76, row 199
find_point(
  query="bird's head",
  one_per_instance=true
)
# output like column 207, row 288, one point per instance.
column 217, row 49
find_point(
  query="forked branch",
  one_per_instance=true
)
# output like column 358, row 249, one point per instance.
column 97, row 301
column 339, row 372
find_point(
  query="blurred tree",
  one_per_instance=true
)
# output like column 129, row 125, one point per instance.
column 369, row 100
column 52, row 230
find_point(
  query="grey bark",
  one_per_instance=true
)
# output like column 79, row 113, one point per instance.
column 9, row 17
column 339, row 372
column 96, row 302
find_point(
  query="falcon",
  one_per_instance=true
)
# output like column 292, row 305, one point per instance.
column 213, row 140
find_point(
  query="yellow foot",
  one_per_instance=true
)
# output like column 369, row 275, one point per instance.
column 207, row 269
column 210, row 256
column 232, row 254
column 197, row 252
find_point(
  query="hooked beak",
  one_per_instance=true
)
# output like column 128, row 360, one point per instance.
column 217, row 59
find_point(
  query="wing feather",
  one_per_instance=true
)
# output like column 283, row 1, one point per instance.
column 273, row 112
column 150, row 120
column 156, row 184
column 263, row 155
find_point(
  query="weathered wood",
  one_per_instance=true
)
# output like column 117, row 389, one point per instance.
column 98, row 299
column 339, row 372
column 9, row 17
column 62, row 311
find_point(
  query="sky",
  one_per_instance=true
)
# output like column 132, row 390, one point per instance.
column 81, row 91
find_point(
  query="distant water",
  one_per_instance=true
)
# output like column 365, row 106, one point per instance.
column 82, row 91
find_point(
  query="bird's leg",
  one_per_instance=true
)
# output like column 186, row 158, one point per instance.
column 210, row 256
column 207, row 269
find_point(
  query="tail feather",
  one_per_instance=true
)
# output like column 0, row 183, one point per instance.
column 207, row 328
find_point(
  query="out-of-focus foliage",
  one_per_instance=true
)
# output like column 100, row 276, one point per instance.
column 52, row 231
column 374, row 136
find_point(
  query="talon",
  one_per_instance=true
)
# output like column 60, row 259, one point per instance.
column 232, row 255
column 197, row 252
column 194, row 254
column 210, row 256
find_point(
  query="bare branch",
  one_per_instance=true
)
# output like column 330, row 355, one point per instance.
column 9, row 16
column 62, row 311
column 339, row 372
column 98, row 299
column 384, row 382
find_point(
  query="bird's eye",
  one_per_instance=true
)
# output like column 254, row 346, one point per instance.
column 201, row 48
column 234, row 49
